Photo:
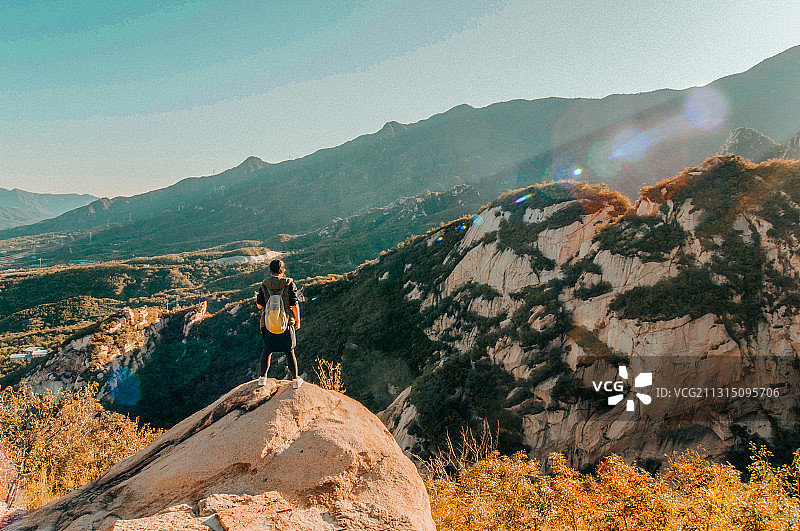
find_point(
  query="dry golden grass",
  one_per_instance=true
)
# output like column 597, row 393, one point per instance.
column 772, row 172
column 595, row 197
column 59, row 441
column 329, row 375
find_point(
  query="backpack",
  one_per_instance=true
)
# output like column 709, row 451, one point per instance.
column 274, row 313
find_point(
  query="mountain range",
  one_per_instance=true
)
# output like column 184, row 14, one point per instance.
column 511, row 316
column 18, row 207
column 623, row 140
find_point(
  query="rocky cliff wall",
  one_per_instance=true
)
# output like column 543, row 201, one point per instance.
column 708, row 306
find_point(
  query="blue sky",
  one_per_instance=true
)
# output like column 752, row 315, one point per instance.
column 116, row 98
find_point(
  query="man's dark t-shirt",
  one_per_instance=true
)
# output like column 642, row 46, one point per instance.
column 276, row 284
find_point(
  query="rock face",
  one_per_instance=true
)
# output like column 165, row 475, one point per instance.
column 124, row 342
column 790, row 149
column 258, row 458
column 745, row 340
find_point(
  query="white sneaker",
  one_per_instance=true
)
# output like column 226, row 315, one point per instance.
column 296, row 383
column 262, row 380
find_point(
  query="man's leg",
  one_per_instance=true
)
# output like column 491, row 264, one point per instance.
column 291, row 361
column 265, row 355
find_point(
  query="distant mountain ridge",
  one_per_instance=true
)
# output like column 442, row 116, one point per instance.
column 623, row 140
column 126, row 209
column 345, row 243
column 19, row 207
column 758, row 147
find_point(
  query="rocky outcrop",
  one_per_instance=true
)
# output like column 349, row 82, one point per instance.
column 268, row 457
column 123, row 342
column 753, row 145
column 687, row 352
column 399, row 417
column 194, row 317
column 750, row 144
column 789, row 149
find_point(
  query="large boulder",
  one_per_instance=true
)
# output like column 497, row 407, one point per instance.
column 258, row 458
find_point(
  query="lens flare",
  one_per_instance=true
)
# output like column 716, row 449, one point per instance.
column 577, row 171
column 477, row 220
column 522, row 199
column 123, row 386
column 600, row 161
column 631, row 145
column 668, row 129
column 563, row 171
column 705, row 108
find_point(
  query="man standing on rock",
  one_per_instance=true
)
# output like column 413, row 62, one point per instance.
column 277, row 327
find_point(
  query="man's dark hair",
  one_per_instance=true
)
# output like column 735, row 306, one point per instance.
column 277, row 267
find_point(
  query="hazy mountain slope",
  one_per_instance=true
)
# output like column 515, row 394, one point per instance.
column 18, row 207
column 623, row 140
column 765, row 97
column 344, row 243
column 339, row 246
column 14, row 217
column 123, row 209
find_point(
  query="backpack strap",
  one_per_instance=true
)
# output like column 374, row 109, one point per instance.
column 270, row 291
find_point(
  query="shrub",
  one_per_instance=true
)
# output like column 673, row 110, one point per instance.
column 329, row 375
column 520, row 236
column 499, row 492
column 691, row 292
column 649, row 238
column 59, row 441
column 8, row 479
column 572, row 271
column 541, row 295
column 593, row 196
column 511, row 493
column 595, row 290
column 569, row 389
column 784, row 217
column 551, row 363
column 742, row 264
column 485, row 291
column 540, row 262
column 462, row 394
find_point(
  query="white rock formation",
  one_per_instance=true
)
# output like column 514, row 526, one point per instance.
column 683, row 352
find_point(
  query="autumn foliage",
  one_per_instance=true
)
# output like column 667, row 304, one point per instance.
column 515, row 493
column 59, row 441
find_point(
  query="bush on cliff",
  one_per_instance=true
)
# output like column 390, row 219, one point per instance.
column 59, row 441
column 690, row 292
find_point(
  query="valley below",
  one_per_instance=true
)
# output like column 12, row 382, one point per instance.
column 559, row 319
column 506, row 318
